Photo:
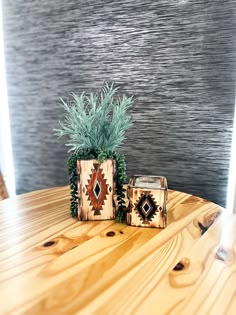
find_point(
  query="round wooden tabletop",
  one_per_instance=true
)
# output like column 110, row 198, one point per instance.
column 54, row 264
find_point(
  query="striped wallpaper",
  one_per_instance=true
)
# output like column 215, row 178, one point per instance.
column 177, row 57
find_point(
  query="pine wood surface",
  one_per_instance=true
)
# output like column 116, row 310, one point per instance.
column 3, row 189
column 51, row 263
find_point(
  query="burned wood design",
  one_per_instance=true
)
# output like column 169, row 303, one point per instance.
column 97, row 189
column 146, row 207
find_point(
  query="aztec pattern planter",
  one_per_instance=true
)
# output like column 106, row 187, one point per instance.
column 147, row 201
column 96, row 187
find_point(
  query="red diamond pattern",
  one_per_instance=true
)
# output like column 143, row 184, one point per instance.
column 97, row 200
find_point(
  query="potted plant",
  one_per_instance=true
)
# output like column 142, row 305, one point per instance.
column 95, row 125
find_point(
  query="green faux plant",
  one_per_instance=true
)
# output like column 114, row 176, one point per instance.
column 95, row 125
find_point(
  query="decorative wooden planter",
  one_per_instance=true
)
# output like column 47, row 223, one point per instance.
column 96, row 187
column 147, row 201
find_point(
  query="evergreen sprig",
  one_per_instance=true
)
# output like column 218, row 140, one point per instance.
column 96, row 122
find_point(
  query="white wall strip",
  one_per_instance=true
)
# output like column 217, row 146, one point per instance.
column 6, row 159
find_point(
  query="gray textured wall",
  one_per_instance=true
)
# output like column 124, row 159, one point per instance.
column 176, row 56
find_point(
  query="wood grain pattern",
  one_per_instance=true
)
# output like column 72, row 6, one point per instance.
column 53, row 264
column 3, row 189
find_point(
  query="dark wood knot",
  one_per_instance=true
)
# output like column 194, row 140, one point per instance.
column 111, row 233
column 49, row 243
column 204, row 228
column 182, row 264
column 179, row 266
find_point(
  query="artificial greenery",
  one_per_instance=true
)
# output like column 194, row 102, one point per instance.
column 96, row 125
column 96, row 122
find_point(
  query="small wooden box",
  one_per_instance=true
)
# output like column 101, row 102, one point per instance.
column 147, row 201
column 96, row 189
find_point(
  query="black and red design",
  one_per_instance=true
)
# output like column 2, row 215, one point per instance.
column 97, row 189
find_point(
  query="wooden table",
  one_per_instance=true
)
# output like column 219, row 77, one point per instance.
column 53, row 264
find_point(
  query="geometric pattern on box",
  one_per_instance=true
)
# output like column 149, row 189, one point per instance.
column 97, row 189
column 146, row 207
column 147, row 201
